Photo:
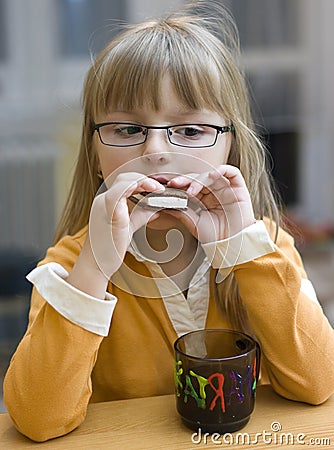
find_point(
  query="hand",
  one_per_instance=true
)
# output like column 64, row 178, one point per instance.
column 226, row 200
column 111, row 226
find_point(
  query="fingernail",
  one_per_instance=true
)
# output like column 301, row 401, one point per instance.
column 159, row 186
column 154, row 183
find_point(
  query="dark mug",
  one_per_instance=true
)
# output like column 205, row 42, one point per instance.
column 216, row 372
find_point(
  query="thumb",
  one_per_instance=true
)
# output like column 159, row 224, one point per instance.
column 140, row 217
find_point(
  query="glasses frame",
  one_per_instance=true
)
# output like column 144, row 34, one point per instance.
column 219, row 130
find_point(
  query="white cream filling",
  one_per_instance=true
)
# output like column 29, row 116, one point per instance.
column 167, row 202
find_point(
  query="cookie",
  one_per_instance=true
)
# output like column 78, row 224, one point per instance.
column 170, row 198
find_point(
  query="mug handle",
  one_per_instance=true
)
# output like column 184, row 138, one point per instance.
column 258, row 360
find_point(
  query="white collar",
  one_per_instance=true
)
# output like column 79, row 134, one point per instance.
column 185, row 314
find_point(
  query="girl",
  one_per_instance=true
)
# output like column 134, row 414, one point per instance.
column 165, row 106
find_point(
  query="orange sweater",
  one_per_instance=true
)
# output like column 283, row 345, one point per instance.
column 60, row 366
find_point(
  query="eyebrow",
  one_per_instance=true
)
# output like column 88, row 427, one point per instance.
column 172, row 117
column 180, row 111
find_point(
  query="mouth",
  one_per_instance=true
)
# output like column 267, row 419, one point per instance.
column 164, row 177
column 161, row 179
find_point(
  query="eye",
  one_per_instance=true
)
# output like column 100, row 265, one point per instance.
column 128, row 130
column 191, row 131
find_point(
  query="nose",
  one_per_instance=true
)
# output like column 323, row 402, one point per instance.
column 156, row 148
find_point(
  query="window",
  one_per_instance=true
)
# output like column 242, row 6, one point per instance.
column 87, row 23
column 264, row 23
column 270, row 37
column 3, row 33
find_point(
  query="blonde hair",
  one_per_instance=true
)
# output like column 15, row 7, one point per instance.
column 198, row 48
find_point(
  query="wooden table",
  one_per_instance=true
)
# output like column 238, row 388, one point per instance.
column 153, row 423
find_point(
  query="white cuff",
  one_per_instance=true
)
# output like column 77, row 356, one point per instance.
column 250, row 243
column 88, row 312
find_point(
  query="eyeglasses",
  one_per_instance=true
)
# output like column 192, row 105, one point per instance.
column 127, row 134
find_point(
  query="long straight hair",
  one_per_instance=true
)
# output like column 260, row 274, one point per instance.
column 198, row 48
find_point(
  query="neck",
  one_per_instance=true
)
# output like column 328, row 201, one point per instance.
column 175, row 249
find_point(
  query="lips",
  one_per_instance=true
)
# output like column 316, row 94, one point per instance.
column 160, row 179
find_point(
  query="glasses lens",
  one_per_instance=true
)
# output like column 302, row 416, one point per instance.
column 193, row 135
column 122, row 134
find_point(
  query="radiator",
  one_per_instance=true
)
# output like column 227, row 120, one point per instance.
column 27, row 197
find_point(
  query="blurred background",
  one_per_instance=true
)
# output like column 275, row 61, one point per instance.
column 45, row 50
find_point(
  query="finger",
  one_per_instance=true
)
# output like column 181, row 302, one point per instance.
column 182, row 181
column 144, row 185
column 123, row 189
column 193, row 183
column 230, row 173
column 140, row 217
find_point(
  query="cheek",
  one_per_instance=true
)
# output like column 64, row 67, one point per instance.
column 217, row 155
column 218, row 158
column 224, row 148
column 222, row 151
column 111, row 161
column 109, row 158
